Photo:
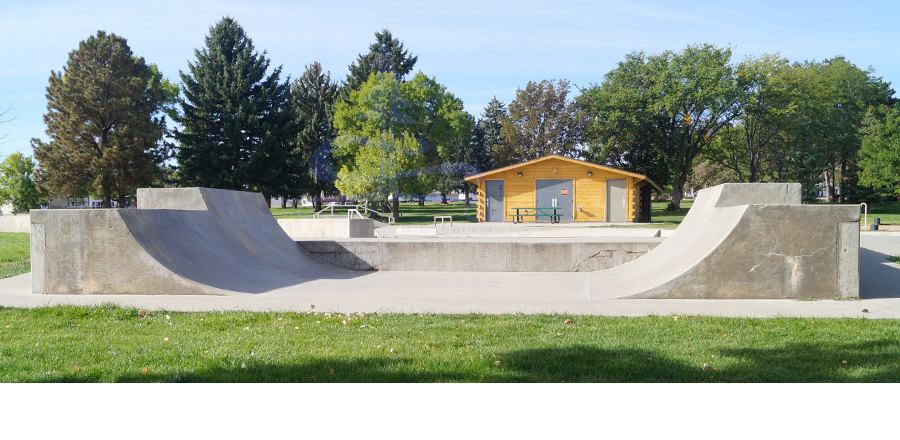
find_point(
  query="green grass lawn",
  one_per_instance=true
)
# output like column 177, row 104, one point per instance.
column 112, row 344
column 15, row 254
column 889, row 212
column 411, row 213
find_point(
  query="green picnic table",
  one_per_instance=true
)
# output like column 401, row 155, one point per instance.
column 524, row 212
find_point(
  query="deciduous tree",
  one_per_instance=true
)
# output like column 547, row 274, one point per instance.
column 673, row 103
column 540, row 121
column 17, row 185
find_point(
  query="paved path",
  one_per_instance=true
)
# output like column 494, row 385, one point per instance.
column 462, row 292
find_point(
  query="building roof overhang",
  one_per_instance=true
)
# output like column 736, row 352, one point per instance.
column 475, row 177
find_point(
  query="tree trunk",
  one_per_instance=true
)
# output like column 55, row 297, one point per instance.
column 677, row 194
column 829, row 186
column 395, row 208
column 443, row 199
column 467, row 196
column 294, row 203
column 121, row 200
column 269, row 201
column 107, row 202
column 283, row 203
column 844, row 182
column 421, row 199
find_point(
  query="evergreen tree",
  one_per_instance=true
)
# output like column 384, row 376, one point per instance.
column 386, row 54
column 239, row 127
column 314, row 95
column 879, row 156
column 470, row 157
column 105, row 140
column 492, row 124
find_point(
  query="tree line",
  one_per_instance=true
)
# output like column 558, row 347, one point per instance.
column 682, row 118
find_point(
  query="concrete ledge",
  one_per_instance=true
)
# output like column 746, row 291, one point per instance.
column 528, row 231
column 507, row 255
column 328, row 228
column 15, row 223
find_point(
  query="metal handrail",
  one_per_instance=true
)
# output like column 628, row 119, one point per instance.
column 350, row 210
column 865, row 214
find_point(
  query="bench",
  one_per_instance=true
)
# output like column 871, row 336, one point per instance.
column 554, row 218
column 443, row 217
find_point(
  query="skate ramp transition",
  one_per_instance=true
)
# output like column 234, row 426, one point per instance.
column 747, row 241
column 179, row 241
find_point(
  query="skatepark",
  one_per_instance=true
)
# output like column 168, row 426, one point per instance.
column 743, row 250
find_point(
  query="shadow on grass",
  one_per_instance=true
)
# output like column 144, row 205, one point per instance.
column 869, row 361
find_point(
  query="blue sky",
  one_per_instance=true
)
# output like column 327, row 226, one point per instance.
column 478, row 49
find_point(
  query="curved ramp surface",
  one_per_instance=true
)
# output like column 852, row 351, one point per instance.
column 180, row 241
column 747, row 241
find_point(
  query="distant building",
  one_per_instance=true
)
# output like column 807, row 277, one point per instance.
column 580, row 191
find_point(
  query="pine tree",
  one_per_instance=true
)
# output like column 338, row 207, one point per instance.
column 314, row 95
column 492, row 123
column 238, row 122
column 386, row 54
column 105, row 140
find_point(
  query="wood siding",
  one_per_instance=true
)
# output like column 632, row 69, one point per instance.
column 590, row 191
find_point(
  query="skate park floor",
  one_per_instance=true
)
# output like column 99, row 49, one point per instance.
column 504, row 292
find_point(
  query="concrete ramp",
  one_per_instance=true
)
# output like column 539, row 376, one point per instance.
column 747, row 241
column 180, row 241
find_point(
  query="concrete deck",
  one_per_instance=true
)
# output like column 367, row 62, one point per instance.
column 443, row 292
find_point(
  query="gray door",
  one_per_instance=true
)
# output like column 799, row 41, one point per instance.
column 555, row 192
column 615, row 200
column 493, row 201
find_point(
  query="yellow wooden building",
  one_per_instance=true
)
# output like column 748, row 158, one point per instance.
column 579, row 191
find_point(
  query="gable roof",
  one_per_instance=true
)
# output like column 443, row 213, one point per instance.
column 474, row 177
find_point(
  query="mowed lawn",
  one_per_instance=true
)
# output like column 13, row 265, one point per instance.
column 413, row 214
column 410, row 213
column 888, row 212
column 112, row 344
column 15, row 254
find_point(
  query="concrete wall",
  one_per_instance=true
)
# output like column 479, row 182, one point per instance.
column 328, row 227
column 15, row 223
column 498, row 232
column 478, row 256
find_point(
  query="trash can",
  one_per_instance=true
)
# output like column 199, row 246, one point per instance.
column 874, row 226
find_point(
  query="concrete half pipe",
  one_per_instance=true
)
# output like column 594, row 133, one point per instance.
column 737, row 241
